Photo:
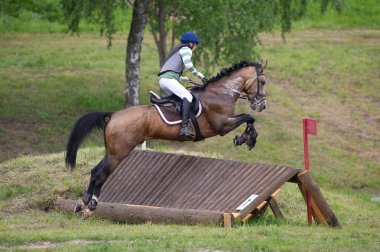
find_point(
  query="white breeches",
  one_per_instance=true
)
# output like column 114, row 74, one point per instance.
column 172, row 86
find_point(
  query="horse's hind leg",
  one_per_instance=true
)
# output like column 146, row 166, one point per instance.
column 97, row 180
column 88, row 195
column 109, row 164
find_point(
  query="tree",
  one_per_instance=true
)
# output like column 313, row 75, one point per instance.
column 102, row 13
column 136, row 35
column 229, row 28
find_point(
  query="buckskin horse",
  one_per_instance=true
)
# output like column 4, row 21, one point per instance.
column 125, row 129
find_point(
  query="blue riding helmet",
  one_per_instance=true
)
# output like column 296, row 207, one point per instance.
column 190, row 37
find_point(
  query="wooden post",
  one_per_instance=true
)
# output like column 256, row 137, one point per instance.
column 304, row 194
column 228, row 220
column 275, row 208
column 320, row 203
column 140, row 214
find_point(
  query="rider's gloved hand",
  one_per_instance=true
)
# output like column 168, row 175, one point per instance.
column 204, row 80
column 184, row 79
column 199, row 75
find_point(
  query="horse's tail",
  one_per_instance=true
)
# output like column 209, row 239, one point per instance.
column 82, row 127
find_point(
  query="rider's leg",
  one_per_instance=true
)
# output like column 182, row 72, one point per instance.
column 185, row 129
column 173, row 86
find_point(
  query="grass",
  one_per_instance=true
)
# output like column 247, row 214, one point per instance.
column 355, row 14
column 33, row 183
column 48, row 80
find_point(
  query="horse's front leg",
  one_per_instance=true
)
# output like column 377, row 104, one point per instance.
column 249, row 137
column 250, row 134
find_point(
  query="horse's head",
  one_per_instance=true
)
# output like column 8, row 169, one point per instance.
column 254, row 88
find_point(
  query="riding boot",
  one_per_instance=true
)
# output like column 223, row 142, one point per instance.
column 185, row 128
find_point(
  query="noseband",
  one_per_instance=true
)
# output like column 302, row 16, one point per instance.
column 257, row 100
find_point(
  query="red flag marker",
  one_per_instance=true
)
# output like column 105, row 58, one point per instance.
column 309, row 128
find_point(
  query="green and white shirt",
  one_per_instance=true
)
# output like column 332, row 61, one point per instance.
column 179, row 59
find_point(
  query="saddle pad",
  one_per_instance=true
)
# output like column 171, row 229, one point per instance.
column 171, row 116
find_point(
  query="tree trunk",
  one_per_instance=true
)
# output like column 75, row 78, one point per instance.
column 158, row 12
column 162, row 21
column 136, row 35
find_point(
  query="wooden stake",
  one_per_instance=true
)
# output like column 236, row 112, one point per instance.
column 321, row 205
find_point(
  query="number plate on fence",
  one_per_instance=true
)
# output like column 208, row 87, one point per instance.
column 246, row 202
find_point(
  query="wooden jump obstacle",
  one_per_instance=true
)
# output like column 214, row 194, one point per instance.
column 170, row 188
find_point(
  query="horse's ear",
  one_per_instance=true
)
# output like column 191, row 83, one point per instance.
column 265, row 65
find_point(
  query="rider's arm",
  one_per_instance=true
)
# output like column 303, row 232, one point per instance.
column 186, row 54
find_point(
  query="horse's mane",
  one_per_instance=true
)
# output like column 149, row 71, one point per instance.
column 226, row 72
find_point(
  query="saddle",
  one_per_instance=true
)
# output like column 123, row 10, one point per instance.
column 170, row 110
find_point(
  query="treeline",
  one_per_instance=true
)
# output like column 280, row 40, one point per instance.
column 48, row 16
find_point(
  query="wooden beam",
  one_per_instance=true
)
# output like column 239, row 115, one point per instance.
column 261, row 205
column 316, row 212
column 276, row 192
column 228, row 220
column 246, row 218
column 275, row 208
column 319, row 201
column 141, row 214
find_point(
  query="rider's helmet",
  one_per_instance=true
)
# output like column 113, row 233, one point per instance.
column 190, row 37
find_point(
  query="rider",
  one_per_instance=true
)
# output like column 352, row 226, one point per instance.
column 170, row 75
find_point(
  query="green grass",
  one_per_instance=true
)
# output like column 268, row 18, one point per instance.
column 49, row 79
column 355, row 14
column 43, row 178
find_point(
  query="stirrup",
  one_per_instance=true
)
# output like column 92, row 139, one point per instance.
column 185, row 131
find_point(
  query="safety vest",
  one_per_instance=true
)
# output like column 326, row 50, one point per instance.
column 173, row 62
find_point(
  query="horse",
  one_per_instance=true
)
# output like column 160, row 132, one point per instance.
column 125, row 129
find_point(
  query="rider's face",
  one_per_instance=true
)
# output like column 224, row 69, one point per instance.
column 194, row 47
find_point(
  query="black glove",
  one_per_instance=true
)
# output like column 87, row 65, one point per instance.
column 204, row 80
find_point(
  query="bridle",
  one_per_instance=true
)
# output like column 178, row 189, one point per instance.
column 257, row 100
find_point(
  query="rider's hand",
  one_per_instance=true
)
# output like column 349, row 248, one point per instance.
column 184, row 79
column 204, row 80
column 200, row 75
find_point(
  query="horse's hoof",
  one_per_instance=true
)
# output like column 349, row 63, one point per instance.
column 78, row 206
column 93, row 204
column 87, row 213
column 251, row 143
column 238, row 140
column 86, row 198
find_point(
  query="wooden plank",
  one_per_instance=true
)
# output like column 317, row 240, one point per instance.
column 228, row 220
column 278, row 181
column 316, row 194
column 275, row 208
column 141, row 214
column 246, row 218
column 316, row 212
column 276, row 193
column 261, row 205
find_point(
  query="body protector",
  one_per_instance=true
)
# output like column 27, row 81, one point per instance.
column 173, row 62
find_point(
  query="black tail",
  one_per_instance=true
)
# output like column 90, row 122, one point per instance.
column 83, row 126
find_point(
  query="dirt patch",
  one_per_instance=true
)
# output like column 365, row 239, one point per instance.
column 48, row 245
column 18, row 138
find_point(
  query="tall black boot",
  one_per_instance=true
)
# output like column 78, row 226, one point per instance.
column 185, row 129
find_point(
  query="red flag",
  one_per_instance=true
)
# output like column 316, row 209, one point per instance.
column 310, row 126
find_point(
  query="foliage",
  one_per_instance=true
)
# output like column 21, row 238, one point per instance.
column 228, row 28
column 47, row 9
column 100, row 12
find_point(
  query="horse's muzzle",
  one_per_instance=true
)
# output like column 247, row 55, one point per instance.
column 259, row 104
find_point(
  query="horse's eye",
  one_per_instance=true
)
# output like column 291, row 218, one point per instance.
column 263, row 82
